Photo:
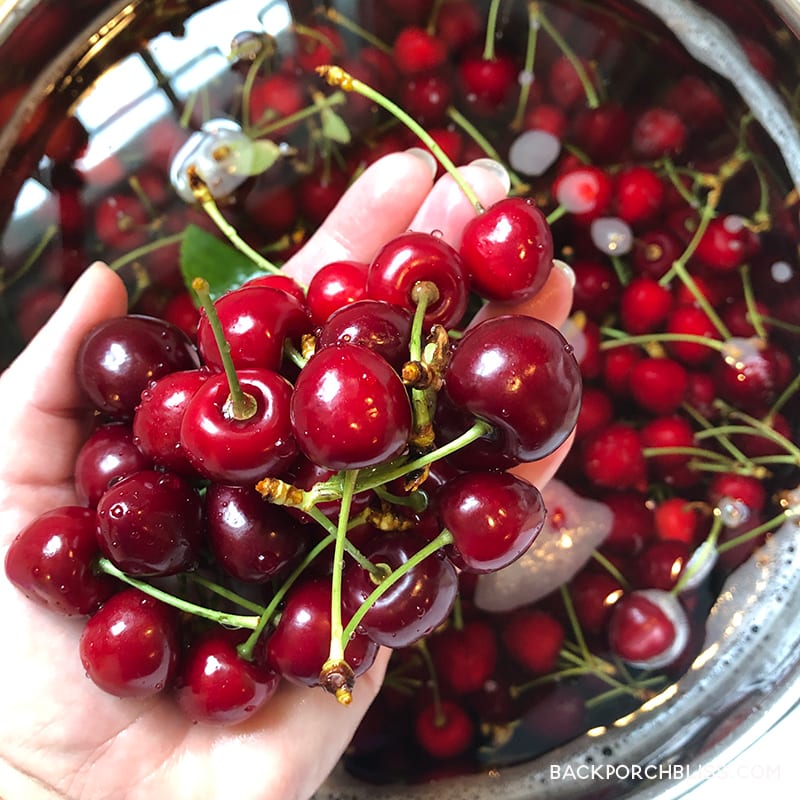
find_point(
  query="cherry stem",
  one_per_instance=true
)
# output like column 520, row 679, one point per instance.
column 417, row 501
column 349, row 547
column 527, row 74
column 577, row 631
column 220, row 617
column 267, row 48
column 203, row 195
column 753, row 314
column 709, row 546
column 336, row 76
column 222, row 591
column 425, row 655
column 243, row 406
column 621, row 339
column 454, row 114
column 345, row 22
column 338, row 642
column 675, row 179
column 762, row 427
column 556, row 214
column 611, row 569
column 639, row 691
column 294, row 355
column 145, row 249
column 784, row 398
column 588, row 87
column 423, row 294
column 319, row 106
column 724, row 441
column 442, row 540
column 758, row 429
column 600, row 669
column 434, row 16
column 30, row 261
column 491, row 30
column 766, row 527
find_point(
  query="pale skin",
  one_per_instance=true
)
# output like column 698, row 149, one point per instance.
column 60, row 736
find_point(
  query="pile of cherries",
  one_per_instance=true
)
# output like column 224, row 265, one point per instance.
column 301, row 474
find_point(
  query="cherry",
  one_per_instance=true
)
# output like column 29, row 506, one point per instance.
column 427, row 97
column 644, row 305
column 519, row 374
column 181, row 312
column 613, row 458
column 564, row 82
column 737, row 487
column 321, row 44
column 616, row 367
column 695, row 322
column 415, row 50
column 464, row 658
column 150, row 523
column 658, row 132
column 414, row 257
column 698, row 104
column 120, row 221
column 130, row 647
column 278, row 281
column 548, row 118
column 256, row 321
column 274, row 208
column 298, row 646
column 252, row 540
column 375, row 324
column 638, row 193
column 216, row 685
column 240, row 451
column 349, row 408
column 654, row 252
column 415, row 604
column 319, row 193
column 108, row 454
column 494, row 518
column 533, row 638
column 458, row 23
column 725, row 243
column 275, row 97
column 444, row 730
column 51, row 561
column 119, row 357
column 661, row 564
column 596, row 289
column 508, row 250
column 632, row 523
column 584, row 191
column 739, row 320
column 593, row 594
column 675, row 519
column 487, row 83
column 752, row 376
column 158, row 418
column 601, row 133
column 658, row 385
column 597, row 411
column 648, row 628
column 335, row 285
column 669, row 431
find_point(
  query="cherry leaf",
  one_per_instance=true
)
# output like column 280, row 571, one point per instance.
column 334, row 127
column 263, row 154
column 203, row 255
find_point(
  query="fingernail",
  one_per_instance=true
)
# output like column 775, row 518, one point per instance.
column 496, row 168
column 426, row 156
column 566, row 270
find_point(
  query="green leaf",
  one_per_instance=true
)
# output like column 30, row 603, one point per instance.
column 263, row 154
column 334, row 127
column 204, row 256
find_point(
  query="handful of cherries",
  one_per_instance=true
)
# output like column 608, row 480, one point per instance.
column 291, row 465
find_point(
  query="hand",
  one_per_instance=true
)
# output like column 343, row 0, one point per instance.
column 60, row 736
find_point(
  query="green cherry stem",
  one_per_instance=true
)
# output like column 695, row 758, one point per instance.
column 491, row 30
column 577, row 631
column 442, row 540
column 753, row 315
column 345, row 22
column 203, row 196
column 318, row 107
column 32, row 259
column 222, row 591
column 242, row 406
column 349, row 547
column 783, row 398
column 145, row 249
column 336, row 76
column 612, row 570
column 338, row 642
column 765, row 527
column 527, row 74
column 589, row 90
column 220, row 617
column 723, row 439
column 620, row 339
column 762, row 428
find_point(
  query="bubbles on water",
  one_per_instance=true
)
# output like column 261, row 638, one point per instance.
column 781, row 272
column 612, row 236
column 732, row 512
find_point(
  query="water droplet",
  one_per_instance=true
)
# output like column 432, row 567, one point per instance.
column 781, row 272
column 732, row 512
column 612, row 235
column 437, row 234
column 733, row 224
column 534, row 152
column 526, row 77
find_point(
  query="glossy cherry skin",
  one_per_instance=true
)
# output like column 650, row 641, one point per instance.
column 412, row 257
column 150, row 523
column 487, row 83
column 108, row 454
column 298, row 647
column 349, row 409
column 444, row 730
column 334, row 286
column 380, row 326
column 256, row 321
column 755, row 379
column 508, row 250
column 413, row 606
column 493, row 517
column 158, row 417
column 119, row 357
column 533, row 638
column 130, row 647
column 216, row 685
column 519, row 374
column 240, row 452
column 51, row 562
column 250, row 539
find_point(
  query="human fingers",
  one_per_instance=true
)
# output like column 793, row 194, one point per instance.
column 380, row 204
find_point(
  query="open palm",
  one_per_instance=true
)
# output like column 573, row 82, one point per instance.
column 60, row 736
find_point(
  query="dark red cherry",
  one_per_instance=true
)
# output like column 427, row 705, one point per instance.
column 658, row 132
column 508, row 250
column 444, row 729
column 661, row 564
column 752, row 375
column 130, row 647
column 644, row 305
column 380, row 326
column 519, row 374
column 613, row 458
column 427, row 97
column 250, row 539
column 464, row 658
column 533, row 638
column 120, row 356
column 274, row 97
column 487, row 83
column 631, row 523
column 299, row 646
column 493, row 517
column 659, row 385
column 51, row 561
column 412, row 257
column 416, row 50
column 216, row 685
column 120, row 221
column 240, row 452
column 335, row 285
column 277, row 281
column 639, row 194
column 108, row 454
column 726, row 243
column 594, row 593
column 158, row 418
column 150, row 523
column 256, row 321
column 414, row 605
column 349, row 408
